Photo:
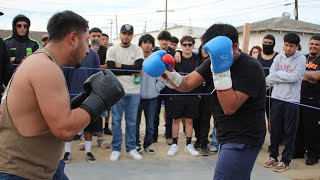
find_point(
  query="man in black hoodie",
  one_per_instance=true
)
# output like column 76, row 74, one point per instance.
column 19, row 43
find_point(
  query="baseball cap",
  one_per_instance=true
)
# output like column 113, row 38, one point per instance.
column 44, row 37
column 126, row 28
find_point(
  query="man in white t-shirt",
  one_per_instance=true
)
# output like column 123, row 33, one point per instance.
column 125, row 61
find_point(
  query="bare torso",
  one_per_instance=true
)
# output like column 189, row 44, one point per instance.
column 22, row 101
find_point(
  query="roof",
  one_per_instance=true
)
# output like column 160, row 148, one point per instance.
column 37, row 35
column 283, row 24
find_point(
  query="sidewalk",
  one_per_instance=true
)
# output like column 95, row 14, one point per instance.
column 182, row 166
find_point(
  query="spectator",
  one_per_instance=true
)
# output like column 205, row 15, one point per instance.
column 19, row 43
column 285, row 77
column 255, row 50
column 184, row 107
column 308, row 135
column 265, row 58
column 174, row 42
column 44, row 40
column 4, row 65
column 105, row 40
column 148, row 98
column 164, row 38
column 127, row 59
column 201, row 125
column 75, row 79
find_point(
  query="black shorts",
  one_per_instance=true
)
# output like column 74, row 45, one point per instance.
column 183, row 107
column 95, row 126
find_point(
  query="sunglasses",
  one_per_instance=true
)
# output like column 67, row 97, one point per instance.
column 185, row 45
column 20, row 25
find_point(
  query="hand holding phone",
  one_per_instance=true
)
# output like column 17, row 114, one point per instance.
column 95, row 42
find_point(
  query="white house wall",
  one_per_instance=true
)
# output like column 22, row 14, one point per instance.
column 256, row 40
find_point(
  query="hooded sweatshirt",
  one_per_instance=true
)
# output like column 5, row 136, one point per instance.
column 19, row 45
column 286, row 74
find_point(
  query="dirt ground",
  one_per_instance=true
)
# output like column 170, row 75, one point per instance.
column 298, row 170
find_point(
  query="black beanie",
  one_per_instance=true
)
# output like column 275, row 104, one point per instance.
column 271, row 37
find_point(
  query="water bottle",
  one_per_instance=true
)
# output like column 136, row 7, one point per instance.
column 137, row 79
column 28, row 51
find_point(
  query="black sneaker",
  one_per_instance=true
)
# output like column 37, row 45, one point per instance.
column 149, row 150
column 138, row 148
column 297, row 156
column 90, row 157
column 67, row 157
column 311, row 161
column 204, row 152
column 76, row 137
column 197, row 146
column 107, row 131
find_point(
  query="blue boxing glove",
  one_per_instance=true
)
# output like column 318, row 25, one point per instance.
column 161, row 65
column 221, row 56
column 153, row 64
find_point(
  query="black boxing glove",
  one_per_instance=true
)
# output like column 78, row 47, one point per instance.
column 106, row 90
column 77, row 101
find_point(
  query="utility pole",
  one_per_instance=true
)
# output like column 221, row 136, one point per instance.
column 190, row 28
column 166, row 19
column 117, row 26
column 166, row 15
column 111, row 22
column 296, row 10
column 145, row 27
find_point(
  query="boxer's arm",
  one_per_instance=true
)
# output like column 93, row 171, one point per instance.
column 48, row 83
column 190, row 81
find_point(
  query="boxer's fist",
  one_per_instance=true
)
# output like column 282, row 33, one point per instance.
column 153, row 64
column 77, row 101
column 160, row 64
column 170, row 77
column 221, row 56
column 105, row 90
column 168, row 60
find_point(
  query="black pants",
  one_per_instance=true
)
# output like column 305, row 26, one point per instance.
column 201, row 125
column 169, row 120
column 308, row 135
column 284, row 118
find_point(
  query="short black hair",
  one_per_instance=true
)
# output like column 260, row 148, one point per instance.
column 291, row 38
column 174, row 40
column 187, row 38
column 220, row 30
column 164, row 35
column 315, row 37
column 62, row 23
column 145, row 38
column 104, row 34
column 96, row 30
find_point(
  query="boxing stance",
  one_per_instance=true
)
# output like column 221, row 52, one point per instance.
column 238, row 99
column 35, row 113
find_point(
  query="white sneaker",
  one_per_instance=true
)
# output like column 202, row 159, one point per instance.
column 135, row 155
column 173, row 150
column 115, row 155
column 190, row 149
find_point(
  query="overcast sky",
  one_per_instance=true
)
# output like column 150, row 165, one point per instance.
column 143, row 13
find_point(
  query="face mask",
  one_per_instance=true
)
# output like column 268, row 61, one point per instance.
column 267, row 48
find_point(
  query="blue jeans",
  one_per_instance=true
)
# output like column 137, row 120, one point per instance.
column 58, row 175
column 235, row 161
column 128, row 105
column 4, row 176
column 149, row 106
column 214, row 138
